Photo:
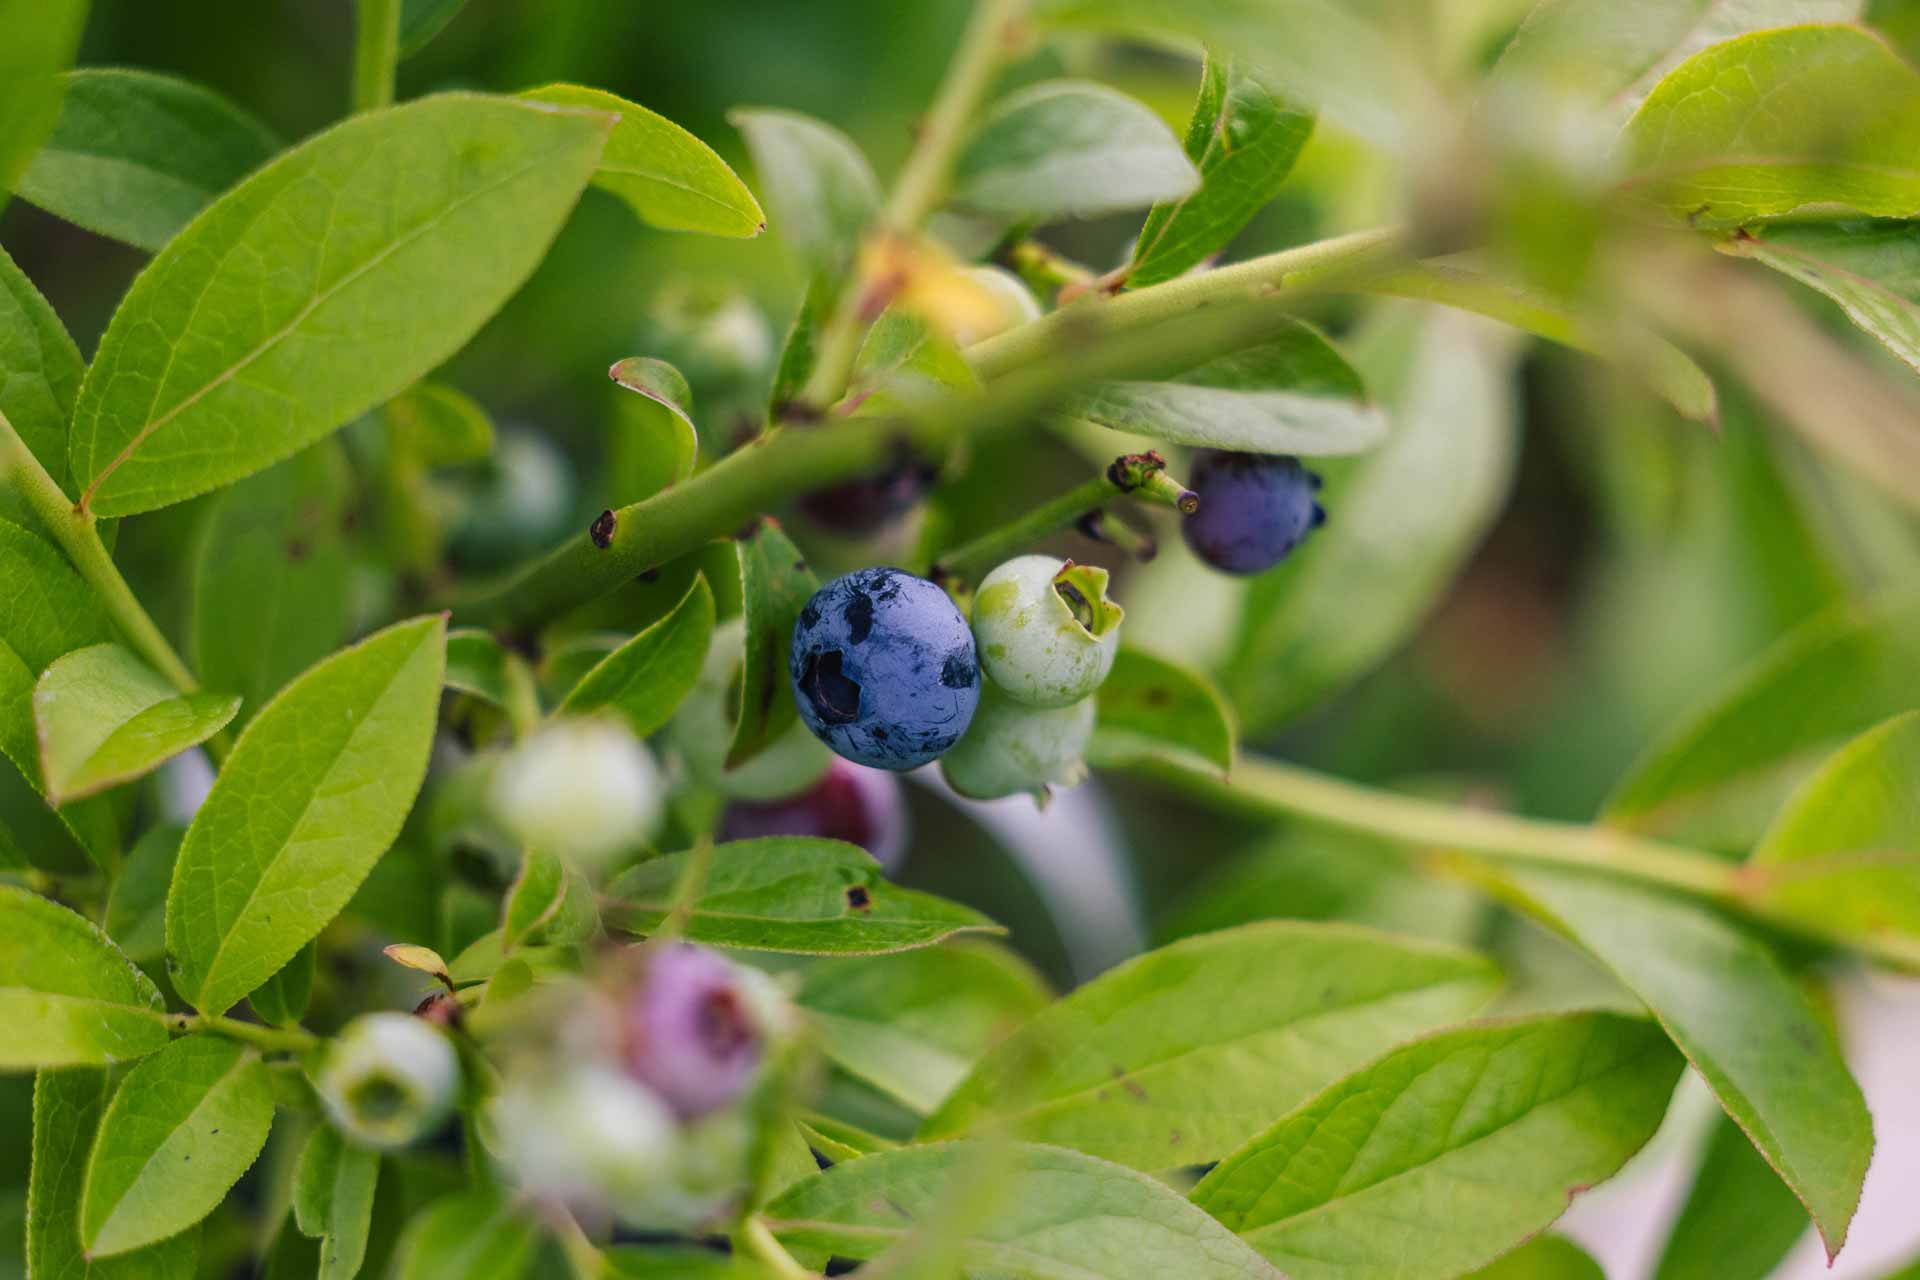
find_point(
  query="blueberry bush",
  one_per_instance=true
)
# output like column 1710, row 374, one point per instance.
column 450, row 849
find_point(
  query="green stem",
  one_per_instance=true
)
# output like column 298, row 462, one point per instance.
column 78, row 535
column 967, row 563
column 1319, row 265
column 272, row 1039
column 1270, row 787
column 753, row 1238
column 376, row 53
column 920, row 185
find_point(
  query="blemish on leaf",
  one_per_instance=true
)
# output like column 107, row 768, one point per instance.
column 601, row 530
column 858, row 898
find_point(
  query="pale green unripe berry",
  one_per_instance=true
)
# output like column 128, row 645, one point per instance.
column 1046, row 632
column 591, row 1137
column 1013, row 303
column 702, row 731
column 585, row 790
column 1011, row 747
column 388, row 1079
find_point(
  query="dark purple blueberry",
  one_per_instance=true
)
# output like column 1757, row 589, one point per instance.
column 884, row 669
column 852, row 803
column 1255, row 509
column 859, row 507
column 692, row 1032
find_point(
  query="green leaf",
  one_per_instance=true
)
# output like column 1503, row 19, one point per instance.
column 43, row 371
column 1059, row 1214
column 104, row 717
column 551, row 902
column 333, row 1188
column 281, row 1000
column 678, row 1262
column 1739, row 1219
column 1290, row 394
column 1871, row 269
column 645, row 679
column 797, row 354
column 1149, row 708
column 480, row 665
column 49, row 611
column 776, row 584
column 1740, row 1018
column 68, row 997
column 913, row 1024
column 472, row 1235
column 659, row 444
column 818, row 185
column 1349, row 596
column 136, row 156
column 1664, row 369
column 1244, row 140
column 1844, row 853
column 838, row 1140
column 67, row 1106
column 181, row 1129
column 670, row 178
column 901, row 360
column 1361, row 1183
column 422, row 20
column 1543, row 1258
column 42, row 36
column 795, row 894
column 439, row 425
column 1320, row 52
column 1718, row 777
column 137, row 907
column 1174, row 1057
column 271, row 578
column 1070, row 149
column 1791, row 122
column 314, row 792
column 321, row 286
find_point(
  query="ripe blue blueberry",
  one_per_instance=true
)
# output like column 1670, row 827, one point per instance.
column 1254, row 509
column 884, row 669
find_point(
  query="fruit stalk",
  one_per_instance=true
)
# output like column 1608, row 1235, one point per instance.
column 966, row 563
column 376, row 53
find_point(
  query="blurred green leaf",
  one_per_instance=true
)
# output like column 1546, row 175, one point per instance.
column 1665, row 369
column 1401, row 520
column 792, row 894
column 1174, row 1057
column 1543, row 1258
column 797, row 354
column 776, row 584
column 333, row 1190
column 668, row 177
column 136, row 156
column 42, row 36
column 439, row 425
column 1293, row 393
column 43, row 371
column 1148, row 707
column 314, row 792
column 1060, row 1214
column 1718, row 777
column 471, row 1235
column 1871, row 269
column 901, row 359
column 679, row 1262
column 480, row 665
column 1244, row 140
column 549, row 902
column 281, row 1001
column 1358, row 1183
column 838, row 1140
column 422, row 20
column 1743, row 1022
column 137, row 905
column 912, row 1024
column 1070, row 149
column 68, row 997
column 271, row 577
column 659, row 443
column 321, row 286
column 818, row 185
column 104, row 717
column 645, row 679
column 1777, row 124
column 181, row 1129
column 1739, row 1219
column 1844, row 851
column 67, row 1106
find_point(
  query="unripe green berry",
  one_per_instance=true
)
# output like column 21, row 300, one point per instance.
column 586, row 790
column 1045, row 630
column 388, row 1079
column 590, row 1137
column 1011, row 747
